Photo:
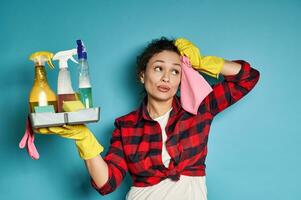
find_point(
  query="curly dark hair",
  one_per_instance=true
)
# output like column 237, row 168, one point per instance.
column 154, row 47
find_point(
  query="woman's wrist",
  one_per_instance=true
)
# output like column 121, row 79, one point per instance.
column 98, row 170
column 230, row 68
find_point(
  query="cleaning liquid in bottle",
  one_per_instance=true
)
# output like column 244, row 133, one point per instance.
column 85, row 88
column 64, row 86
column 41, row 94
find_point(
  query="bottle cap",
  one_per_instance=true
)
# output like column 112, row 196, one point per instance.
column 81, row 50
column 41, row 57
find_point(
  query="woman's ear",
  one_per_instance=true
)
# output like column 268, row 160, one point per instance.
column 142, row 77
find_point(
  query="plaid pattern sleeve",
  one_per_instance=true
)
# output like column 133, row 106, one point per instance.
column 117, row 165
column 232, row 89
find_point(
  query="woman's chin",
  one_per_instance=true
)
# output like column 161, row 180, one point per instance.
column 162, row 97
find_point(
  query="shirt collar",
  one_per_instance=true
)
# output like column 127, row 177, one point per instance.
column 142, row 113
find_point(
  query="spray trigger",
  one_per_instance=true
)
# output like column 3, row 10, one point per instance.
column 71, row 58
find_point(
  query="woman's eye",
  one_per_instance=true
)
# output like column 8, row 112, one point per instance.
column 175, row 72
column 158, row 68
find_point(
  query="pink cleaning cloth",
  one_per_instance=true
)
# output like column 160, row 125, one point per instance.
column 28, row 141
column 194, row 88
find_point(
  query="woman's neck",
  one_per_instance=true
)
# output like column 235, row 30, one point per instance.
column 158, row 108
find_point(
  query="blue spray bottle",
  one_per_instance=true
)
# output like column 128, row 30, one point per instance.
column 85, row 88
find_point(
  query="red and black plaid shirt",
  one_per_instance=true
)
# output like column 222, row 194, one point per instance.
column 136, row 143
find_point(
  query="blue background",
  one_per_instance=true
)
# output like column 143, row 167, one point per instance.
column 254, row 146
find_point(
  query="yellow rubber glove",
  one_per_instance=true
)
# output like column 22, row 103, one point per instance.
column 210, row 65
column 87, row 145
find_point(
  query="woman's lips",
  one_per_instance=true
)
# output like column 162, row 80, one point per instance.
column 163, row 88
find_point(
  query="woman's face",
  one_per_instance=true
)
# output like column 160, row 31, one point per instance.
column 162, row 76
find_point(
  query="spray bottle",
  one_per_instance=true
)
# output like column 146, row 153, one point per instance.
column 85, row 88
column 41, row 94
column 64, row 86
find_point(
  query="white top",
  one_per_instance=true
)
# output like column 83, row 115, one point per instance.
column 188, row 187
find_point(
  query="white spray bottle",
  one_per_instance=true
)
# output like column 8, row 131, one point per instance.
column 64, row 87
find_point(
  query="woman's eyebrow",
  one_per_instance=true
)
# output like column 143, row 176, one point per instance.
column 162, row 61
column 177, row 64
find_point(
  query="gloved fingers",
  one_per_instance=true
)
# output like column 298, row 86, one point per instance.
column 185, row 45
column 25, row 137
column 51, row 130
column 66, row 133
column 32, row 151
column 77, row 132
column 23, row 140
column 197, row 65
column 74, row 136
column 188, row 49
column 58, row 130
column 182, row 44
column 31, row 148
column 74, row 127
column 42, row 130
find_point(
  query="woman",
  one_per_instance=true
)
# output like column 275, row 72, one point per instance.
column 162, row 145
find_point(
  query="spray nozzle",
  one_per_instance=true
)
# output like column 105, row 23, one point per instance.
column 41, row 57
column 81, row 50
column 64, row 56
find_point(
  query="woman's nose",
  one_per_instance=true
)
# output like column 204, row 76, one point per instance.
column 165, row 77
